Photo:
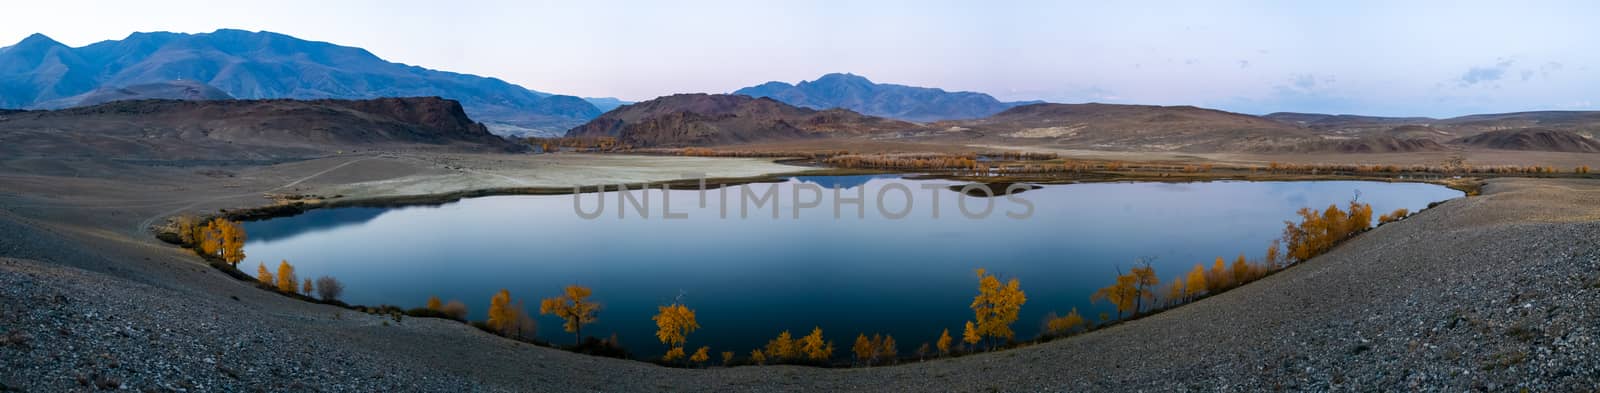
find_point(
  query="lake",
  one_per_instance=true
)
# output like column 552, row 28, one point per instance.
column 750, row 278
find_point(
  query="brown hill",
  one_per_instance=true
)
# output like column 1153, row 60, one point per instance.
column 1538, row 139
column 1582, row 122
column 719, row 119
column 1319, row 120
column 1130, row 127
column 1367, row 144
column 244, row 129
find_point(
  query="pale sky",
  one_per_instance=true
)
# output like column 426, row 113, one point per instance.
column 1368, row 57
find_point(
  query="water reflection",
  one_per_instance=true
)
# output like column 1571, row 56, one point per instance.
column 749, row 278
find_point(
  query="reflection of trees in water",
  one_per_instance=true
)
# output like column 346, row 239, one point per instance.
column 312, row 221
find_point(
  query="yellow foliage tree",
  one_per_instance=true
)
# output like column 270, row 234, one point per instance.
column 264, row 276
column 970, row 334
column 286, row 278
column 758, row 357
column 211, row 238
column 188, row 229
column 1319, row 231
column 1121, row 294
column 1175, row 292
column 500, row 315
column 863, row 349
column 1144, row 284
column 701, row 355
column 1241, row 270
column 783, row 347
column 674, row 323
column 1273, row 261
column 1066, row 324
column 1218, row 277
column 944, row 342
column 574, row 307
column 306, row 289
column 890, row 350
column 727, row 358
column 997, row 306
column 1196, row 282
column 232, row 242
column 1358, row 219
column 814, row 347
column 673, row 354
column 434, row 303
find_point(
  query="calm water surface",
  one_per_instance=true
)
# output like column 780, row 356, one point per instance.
column 748, row 279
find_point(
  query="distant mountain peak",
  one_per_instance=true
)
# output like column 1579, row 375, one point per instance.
column 38, row 38
column 41, row 72
column 843, row 77
column 859, row 94
column 698, row 119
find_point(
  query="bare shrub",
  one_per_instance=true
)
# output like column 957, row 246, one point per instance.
column 329, row 288
column 455, row 309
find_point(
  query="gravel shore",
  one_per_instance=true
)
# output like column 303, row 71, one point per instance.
column 1491, row 293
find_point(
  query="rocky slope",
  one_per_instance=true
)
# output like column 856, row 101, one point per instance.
column 860, row 95
column 169, row 129
column 1540, row 139
column 173, row 90
column 720, row 119
column 1130, row 127
column 42, row 73
column 1366, row 144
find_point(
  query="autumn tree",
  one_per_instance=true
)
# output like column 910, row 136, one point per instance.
column 1175, row 292
column 1359, row 218
column 1272, row 261
column 1241, row 270
column 1393, row 216
column 211, row 238
column 701, row 356
column 1144, row 283
column 510, row 318
column 1120, row 294
column 863, row 349
column 674, row 323
column 783, row 348
column 264, row 276
column 814, row 347
column 1063, row 325
column 1317, row 232
column 435, row 305
column 286, row 278
column 499, row 310
column 727, row 358
column 890, row 350
column 329, row 288
column 1196, row 282
column 232, row 242
column 672, row 354
column 996, row 306
column 188, row 229
column 944, row 342
column 574, row 307
column 1218, row 277
column 970, row 335
column 306, row 289
column 758, row 357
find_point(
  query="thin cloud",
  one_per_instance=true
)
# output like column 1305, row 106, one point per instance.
column 1476, row 75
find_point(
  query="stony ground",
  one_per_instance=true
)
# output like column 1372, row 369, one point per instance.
column 1494, row 293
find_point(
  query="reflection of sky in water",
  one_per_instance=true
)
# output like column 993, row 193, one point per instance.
column 750, row 278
